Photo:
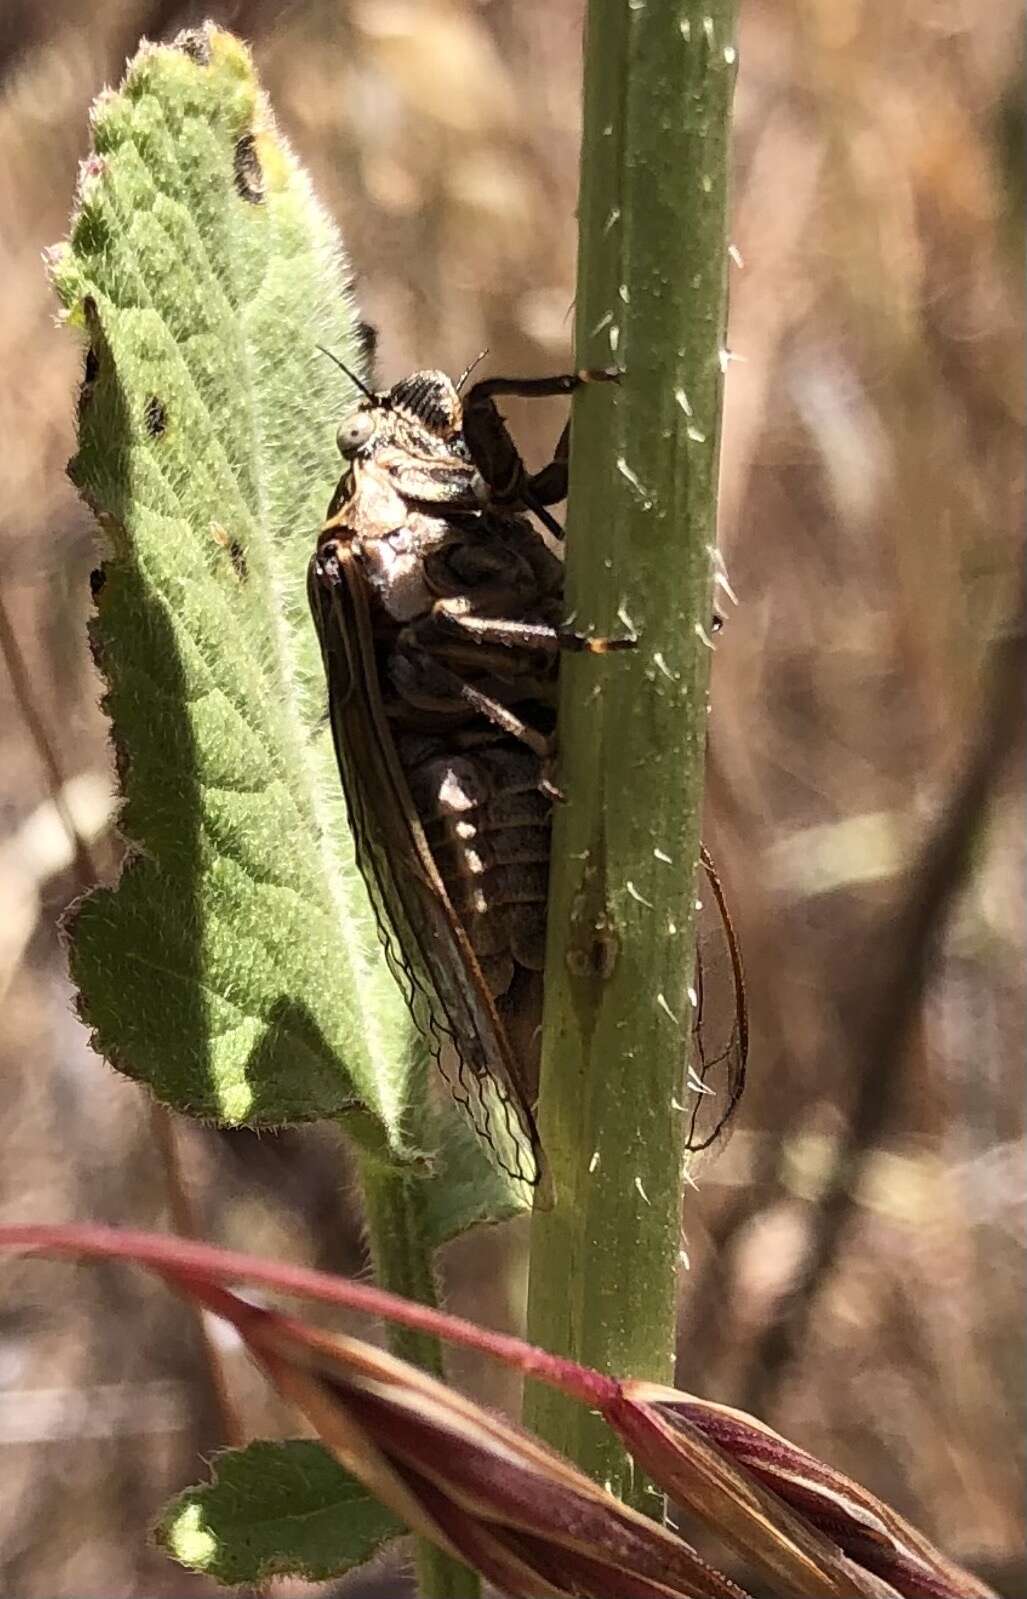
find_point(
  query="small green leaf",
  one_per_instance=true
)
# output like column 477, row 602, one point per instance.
column 467, row 1187
column 276, row 1509
column 236, row 967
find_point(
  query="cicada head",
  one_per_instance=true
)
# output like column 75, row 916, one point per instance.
column 428, row 403
column 422, row 414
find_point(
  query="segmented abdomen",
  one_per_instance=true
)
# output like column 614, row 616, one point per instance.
column 488, row 827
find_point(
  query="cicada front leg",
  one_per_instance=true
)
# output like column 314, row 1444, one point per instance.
column 496, row 455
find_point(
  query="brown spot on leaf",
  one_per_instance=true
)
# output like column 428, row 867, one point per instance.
column 236, row 552
column 155, row 417
column 249, row 174
column 194, row 43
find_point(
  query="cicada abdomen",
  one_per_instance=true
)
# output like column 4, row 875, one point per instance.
column 488, row 827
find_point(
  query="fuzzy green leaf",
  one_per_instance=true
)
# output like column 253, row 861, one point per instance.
column 235, row 967
column 468, row 1188
column 276, row 1509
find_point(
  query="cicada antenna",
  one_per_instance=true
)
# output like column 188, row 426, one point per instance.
column 478, row 359
column 357, row 382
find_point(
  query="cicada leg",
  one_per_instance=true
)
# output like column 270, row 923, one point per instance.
column 496, row 455
column 456, row 616
column 425, row 683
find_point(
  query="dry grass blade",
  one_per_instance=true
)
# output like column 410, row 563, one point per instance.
column 492, row 1495
column 783, row 1508
column 473, row 1483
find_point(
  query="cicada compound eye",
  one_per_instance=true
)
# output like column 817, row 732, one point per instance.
column 354, row 432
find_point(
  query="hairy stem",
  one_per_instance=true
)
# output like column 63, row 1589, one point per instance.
column 402, row 1258
column 651, row 300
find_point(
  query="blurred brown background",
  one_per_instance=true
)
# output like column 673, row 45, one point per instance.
column 856, row 1250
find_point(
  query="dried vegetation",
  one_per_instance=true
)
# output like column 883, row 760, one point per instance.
column 871, row 526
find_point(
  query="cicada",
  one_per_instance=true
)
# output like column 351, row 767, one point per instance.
column 439, row 607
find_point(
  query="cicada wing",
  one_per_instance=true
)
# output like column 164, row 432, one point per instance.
column 424, row 941
column 720, row 1035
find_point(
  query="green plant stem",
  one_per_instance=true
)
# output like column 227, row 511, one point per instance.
column 402, row 1259
column 651, row 299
